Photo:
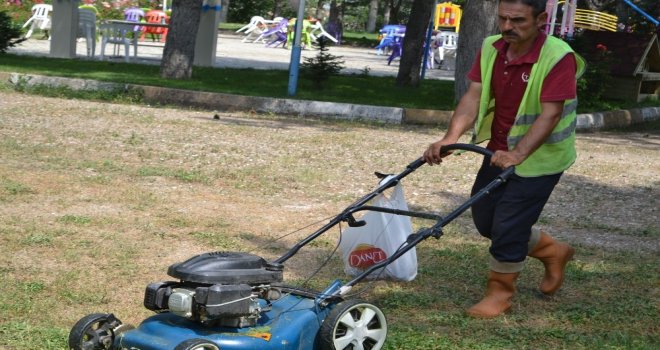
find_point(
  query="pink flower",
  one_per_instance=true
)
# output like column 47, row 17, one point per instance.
column 601, row 47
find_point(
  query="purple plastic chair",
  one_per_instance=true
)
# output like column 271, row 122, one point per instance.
column 397, row 48
column 335, row 29
column 134, row 14
column 397, row 51
column 278, row 32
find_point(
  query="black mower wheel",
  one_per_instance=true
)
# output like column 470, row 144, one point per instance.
column 93, row 332
column 197, row 344
column 353, row 324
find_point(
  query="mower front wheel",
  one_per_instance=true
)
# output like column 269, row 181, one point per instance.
column 353, row 324
column 197, row 344
column 94, row 332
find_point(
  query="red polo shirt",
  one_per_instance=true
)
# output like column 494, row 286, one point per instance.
column 509, row 82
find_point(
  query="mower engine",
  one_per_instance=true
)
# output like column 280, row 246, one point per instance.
column 220, row 288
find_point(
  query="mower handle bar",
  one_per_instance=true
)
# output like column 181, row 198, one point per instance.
column 456, row 146
column 393, row 181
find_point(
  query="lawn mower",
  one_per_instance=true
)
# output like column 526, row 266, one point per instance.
column 233, row 300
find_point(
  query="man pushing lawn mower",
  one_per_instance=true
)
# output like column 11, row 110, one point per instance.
column 522, row 98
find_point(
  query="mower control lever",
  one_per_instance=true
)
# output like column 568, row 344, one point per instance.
column 381, row 175
column 354, row 223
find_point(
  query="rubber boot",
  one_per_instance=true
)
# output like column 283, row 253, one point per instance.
column 499, row 291
column 554, row 255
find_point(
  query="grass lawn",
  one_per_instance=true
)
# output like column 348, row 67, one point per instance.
column 98, row 199
column 359, row 89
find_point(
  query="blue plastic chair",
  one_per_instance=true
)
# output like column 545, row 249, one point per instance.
column 390, row 32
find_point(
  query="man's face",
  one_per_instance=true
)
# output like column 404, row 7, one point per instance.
column 518, row 23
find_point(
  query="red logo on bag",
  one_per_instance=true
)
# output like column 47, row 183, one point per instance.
column 365, row 255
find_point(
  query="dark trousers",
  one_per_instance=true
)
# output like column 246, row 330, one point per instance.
column 507, row 214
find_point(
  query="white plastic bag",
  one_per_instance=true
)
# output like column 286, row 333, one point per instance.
column 376, row 241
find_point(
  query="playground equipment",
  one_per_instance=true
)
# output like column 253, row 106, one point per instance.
column 572, row 18
column 641, row 12
column 447, row 15
column 595, row 20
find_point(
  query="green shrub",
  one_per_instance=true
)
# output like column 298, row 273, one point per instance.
column 596, row 78
column 10, row 33
column 106, row 13
column 319, row 68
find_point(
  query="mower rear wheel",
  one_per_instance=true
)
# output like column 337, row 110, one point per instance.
column 94, row 332
column 353, row 324
column 197, row 344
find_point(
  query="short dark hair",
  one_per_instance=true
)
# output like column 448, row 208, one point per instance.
column 538, row 6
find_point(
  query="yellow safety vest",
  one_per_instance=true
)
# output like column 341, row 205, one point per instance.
column 557, row 153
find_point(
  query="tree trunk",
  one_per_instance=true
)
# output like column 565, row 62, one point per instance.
column 395, row 7
column 224, row 10
column 335, row 25
column 386, row 14
column 277, row 8
column 319, row 9
column 413, row 44
column 334, row 12
column 480, row 16
column 373, row 15
column 179, row 52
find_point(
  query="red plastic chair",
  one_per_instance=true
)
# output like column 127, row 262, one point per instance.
column 155, row 16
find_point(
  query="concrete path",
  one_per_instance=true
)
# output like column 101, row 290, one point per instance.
column 233, row 53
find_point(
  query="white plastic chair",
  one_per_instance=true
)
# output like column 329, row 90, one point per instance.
column 318, row 31
column 447, row 43
column 254, row 35
column 255, row 22
column 257, row 26
column 87, row 29
column 119, row 34
column 40, row 18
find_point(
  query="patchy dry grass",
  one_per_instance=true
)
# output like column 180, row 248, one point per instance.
column 96, row 200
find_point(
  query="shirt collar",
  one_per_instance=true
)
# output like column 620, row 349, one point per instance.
column 530, row 57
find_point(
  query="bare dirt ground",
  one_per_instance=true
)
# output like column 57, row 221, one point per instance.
column 608, row 198
column 94, row 193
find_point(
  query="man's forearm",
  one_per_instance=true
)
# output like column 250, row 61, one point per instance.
column 459, row 124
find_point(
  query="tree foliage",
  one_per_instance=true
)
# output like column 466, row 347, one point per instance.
column 10, row 33
column 242, row 10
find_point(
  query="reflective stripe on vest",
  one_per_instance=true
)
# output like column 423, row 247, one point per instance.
column 557, row 135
